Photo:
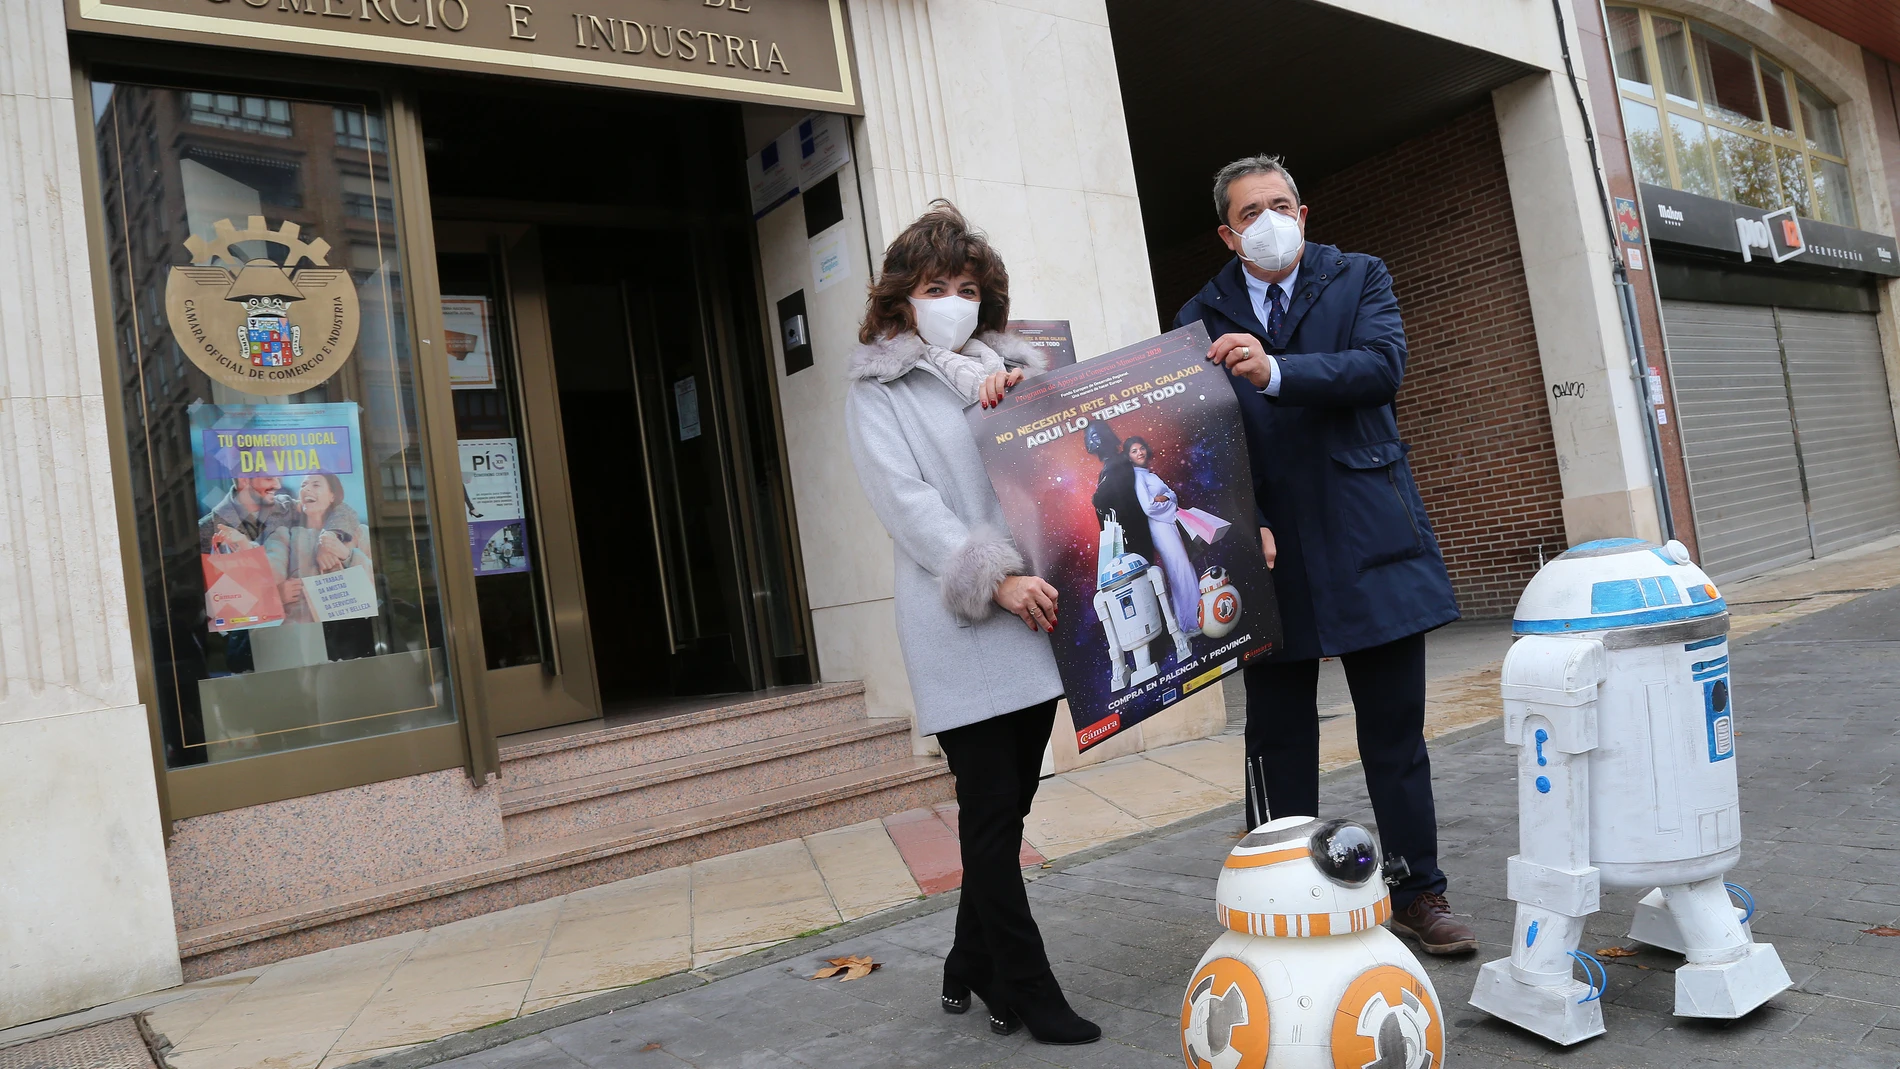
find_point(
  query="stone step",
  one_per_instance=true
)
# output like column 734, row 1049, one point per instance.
column 542, row 870
column 549, row 756
column 644, row 792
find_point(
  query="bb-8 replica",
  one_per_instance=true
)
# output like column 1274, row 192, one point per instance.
column 1305, row 977
column 1616, row 695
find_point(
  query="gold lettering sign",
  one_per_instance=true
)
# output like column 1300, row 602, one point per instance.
column 792, row 52
column 262, row 325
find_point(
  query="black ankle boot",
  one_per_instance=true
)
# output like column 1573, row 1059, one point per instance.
column 956, row 999
column 1041, row 1007
column 956, row 995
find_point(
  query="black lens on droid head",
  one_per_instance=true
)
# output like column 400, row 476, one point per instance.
column 1345, row 852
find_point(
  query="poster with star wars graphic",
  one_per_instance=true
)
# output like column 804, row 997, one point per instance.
column 1127, row 487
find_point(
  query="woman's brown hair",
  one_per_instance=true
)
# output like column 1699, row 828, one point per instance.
column 940, row 244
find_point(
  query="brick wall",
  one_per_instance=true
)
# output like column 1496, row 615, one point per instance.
column 1437, row 209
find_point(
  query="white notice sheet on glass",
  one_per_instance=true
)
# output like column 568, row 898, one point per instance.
column 467, row 338
column 686, row 400
column 491, row 493
column 345, row 594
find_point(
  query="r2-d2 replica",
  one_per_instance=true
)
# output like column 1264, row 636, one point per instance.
column 1616, row 695
column 1305, row 977
column 1131, row 600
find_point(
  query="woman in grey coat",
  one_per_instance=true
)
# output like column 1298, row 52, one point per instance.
column 984, row 681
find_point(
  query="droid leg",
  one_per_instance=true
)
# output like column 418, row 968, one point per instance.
column 1728, row 974
column 1550, row 697
column 1181, row 649
column 1117, row 664
column 1655, row 925
column 1145, row 666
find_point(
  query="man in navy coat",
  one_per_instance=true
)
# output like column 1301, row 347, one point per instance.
column 1315, row 351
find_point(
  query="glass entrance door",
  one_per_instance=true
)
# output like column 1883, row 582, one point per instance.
column 643, row 409
column 515, row 486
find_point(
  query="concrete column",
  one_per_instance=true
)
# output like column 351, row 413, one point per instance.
column 85, row 907
column 1596, row 416
column 1014, row 115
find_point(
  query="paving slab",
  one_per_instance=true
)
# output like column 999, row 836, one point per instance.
column 1126, row 925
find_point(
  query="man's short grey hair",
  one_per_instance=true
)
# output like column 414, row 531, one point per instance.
column 1242, row 168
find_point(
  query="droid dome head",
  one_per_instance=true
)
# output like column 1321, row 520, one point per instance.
column 1299, row 877
column 1616, row 583
column 1213, row 579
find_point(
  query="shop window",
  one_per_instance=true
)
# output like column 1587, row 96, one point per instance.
column 1643, row 129
column 290, row 598
column 1626, row 51
column 1738, row 125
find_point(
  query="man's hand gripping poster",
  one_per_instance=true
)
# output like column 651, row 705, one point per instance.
column 1126, row 483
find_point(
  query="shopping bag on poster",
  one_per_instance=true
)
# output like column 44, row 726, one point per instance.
column 240, row 590
column 1202, row 524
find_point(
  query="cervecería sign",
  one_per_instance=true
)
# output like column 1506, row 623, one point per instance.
column 792, row 52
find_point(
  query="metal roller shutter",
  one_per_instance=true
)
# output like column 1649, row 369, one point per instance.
column 1738, row 437
column 1845, row 423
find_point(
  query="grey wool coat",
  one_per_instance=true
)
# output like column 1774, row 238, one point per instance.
column 968, row 660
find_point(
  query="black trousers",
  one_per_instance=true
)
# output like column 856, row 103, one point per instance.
column 1388, row 698
column 997, row 763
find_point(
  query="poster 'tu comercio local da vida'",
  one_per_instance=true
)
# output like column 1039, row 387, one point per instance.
column 1126, row 484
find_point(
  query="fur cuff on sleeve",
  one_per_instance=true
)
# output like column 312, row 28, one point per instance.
column 1015, row 351
column 972, row 572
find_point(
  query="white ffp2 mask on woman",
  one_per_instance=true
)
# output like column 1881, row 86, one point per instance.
column 1272, row 242
column 945, row 322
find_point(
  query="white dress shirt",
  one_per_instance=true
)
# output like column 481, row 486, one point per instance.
column 1257, row 292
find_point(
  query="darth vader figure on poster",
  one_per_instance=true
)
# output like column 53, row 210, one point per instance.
column 1115, row 496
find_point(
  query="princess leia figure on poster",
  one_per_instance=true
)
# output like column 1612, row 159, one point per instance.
column 1184, row 588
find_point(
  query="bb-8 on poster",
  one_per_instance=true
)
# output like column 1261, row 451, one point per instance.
column 1127, row 487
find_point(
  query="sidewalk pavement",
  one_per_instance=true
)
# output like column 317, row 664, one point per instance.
column 384, row 996
column 1820, row 744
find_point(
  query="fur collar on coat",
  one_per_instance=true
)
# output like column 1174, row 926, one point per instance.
column 891, row 358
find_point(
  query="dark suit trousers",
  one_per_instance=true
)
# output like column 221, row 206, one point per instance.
column 997, row 764
column 1388, row 697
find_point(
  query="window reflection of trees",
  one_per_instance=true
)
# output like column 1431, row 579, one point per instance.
column 1741, row 126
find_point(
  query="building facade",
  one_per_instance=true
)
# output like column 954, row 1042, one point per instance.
column 280, row 276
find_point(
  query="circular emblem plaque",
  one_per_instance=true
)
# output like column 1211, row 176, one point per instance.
column 263, row 325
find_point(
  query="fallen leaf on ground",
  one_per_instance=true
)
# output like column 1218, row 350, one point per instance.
column 651, row 1046
column 1617, row 952
column 1880, row 929
column 853, row 968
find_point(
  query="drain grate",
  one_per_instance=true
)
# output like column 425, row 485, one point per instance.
column 112, row 1045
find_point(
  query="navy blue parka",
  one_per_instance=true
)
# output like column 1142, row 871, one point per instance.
column 1358, row 563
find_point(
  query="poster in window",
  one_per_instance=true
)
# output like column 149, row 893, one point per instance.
column 1050, row 337
column 281, row 502
column 1122, row 478
column 491, row 492
column 468, row 338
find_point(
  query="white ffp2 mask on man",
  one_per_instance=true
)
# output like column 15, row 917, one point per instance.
column 1272, row 242
column 945, row 322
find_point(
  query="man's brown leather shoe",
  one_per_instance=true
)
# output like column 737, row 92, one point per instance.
column 1428, row 919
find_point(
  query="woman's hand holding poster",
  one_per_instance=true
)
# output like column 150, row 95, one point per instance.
column 1121, row 476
